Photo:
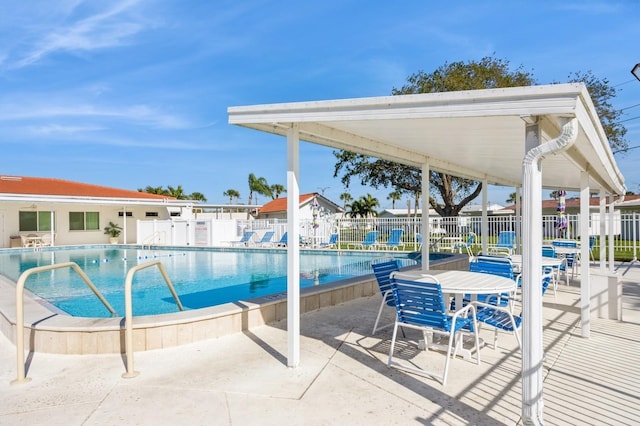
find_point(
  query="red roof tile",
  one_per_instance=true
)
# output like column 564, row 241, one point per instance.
column 25, row 185
column 280, row 204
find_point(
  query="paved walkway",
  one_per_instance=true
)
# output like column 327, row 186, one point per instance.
column 343, row 379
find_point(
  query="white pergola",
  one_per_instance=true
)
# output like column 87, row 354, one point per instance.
column 531, row 137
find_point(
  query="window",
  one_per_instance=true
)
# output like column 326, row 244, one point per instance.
column 84, row 221
column 129, row 214
column 35, row 221
column 151, row 214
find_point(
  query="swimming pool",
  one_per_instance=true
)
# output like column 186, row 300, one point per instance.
column 201, row 277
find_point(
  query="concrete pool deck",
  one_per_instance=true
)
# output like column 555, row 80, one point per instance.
column 242, row 379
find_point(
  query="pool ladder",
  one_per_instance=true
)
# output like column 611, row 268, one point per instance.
column 21, row 375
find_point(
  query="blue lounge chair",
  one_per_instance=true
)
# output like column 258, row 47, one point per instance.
column 369, row 242
column 245, row 240
column 394, row 242
column 283, row 241
column 421, row 306
column 333, row 241
column 266, row 239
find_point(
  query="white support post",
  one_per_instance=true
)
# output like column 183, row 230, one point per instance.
column 611, row 234
column 532, row 343
column 585, row 282
column 424, row 220
column 293, row 248
column 518, row 220
column 484, row 228
column 603, row 230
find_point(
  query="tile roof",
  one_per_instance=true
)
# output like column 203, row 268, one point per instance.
column 280, row 204
column 25, row 185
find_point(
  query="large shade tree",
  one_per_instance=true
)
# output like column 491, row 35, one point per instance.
column 453, row 193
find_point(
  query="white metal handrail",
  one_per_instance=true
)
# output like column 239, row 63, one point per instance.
column 150, row 239
column 21, row 376
column 128, row 340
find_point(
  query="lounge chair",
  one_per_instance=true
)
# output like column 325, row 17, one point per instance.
column 421, row 306
column 333, row 241
column 283, row 241
column 370, row 241
column 245, row 240
column 394, row 242
column 266, row 239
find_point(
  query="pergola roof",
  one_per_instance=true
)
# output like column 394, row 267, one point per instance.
column 477, row 134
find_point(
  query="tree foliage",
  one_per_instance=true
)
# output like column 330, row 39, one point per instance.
column 364, row 207
column 177, row 193
column 453, row 193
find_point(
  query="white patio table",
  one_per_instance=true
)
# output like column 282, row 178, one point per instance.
column 460, row 283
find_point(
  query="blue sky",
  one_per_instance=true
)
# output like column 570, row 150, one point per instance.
column 130, row 93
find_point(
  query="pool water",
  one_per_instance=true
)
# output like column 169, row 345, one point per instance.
column 201, row 277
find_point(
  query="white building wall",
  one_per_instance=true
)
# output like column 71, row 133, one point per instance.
column 10, row 221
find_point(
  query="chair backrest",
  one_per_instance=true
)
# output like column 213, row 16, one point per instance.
column 471, row 239
column 548, row 251
column 506, row 239
column 565, row 243
column 395, row 237
column 592, row 241
column 420, row 303
column 371, row 238
column 333, row 239
column 266, row 238
column 500, row 266
column 246, row 236
column 382, row 271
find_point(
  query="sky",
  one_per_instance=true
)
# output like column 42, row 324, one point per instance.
column 134, row 93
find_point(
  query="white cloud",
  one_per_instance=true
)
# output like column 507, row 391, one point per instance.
column 114, row 26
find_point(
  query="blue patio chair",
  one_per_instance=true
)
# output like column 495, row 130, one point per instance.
column 369, row 242
column 419, row 240
column 333, row 241
column 495, row 265
column 571, row 259
column 421, row 306
column 506, row 242
column 382, row 271
column 266, row 239
column 467, row 246
column 501, row 318
column 394, row 242
column 245, row 240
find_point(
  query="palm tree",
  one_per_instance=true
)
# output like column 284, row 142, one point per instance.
column 277, row 189
column 394, row 196
column 257, row 185
column 345, row 197
column 177, row 193
column 154, row 190
column 370, row 203
column 355, row 209
column 512, row 198
column 198, row 196
column 231, row 193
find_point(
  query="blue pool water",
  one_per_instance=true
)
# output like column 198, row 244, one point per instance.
column 201, row 277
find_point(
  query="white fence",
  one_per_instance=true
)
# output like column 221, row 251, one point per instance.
column 221, row 232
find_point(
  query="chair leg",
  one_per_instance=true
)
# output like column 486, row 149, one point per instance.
column 393, row 343
column 375, row 326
